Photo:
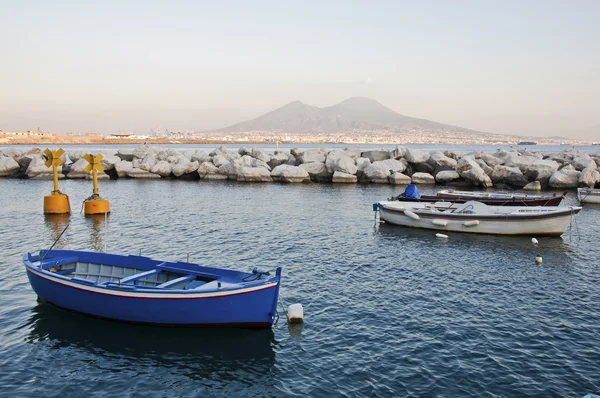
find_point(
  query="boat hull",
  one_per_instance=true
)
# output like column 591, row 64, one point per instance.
column 550, row 201
column 588, row 195
column 553, row 224
column 253, row 307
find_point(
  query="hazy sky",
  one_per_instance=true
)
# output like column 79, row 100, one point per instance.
column 516, row 67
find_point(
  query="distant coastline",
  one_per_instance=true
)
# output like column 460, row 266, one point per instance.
column 253, row 138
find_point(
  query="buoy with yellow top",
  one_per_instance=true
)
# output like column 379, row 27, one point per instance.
column 57, row 202
column 95, row 204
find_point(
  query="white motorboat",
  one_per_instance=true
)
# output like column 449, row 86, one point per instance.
column 479, row 218
column 588, row 195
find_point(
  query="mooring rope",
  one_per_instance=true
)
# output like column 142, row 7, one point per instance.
column 283, row 308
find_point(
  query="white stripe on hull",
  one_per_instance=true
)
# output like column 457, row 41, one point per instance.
column 590, row 199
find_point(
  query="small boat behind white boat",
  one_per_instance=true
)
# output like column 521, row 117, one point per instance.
column 588, row 195
column 479, row 218
column 541, row 200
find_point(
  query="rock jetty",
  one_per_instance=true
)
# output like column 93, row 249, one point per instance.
column 519, row 169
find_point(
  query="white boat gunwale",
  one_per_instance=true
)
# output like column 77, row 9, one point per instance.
column 130, row 291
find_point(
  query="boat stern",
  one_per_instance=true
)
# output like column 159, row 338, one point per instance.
column 276, row 279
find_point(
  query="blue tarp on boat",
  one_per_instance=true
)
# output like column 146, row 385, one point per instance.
column 411, row 192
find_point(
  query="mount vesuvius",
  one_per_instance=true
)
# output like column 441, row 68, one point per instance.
column 353, row 113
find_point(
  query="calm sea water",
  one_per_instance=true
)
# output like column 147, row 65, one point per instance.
column 463, row 148
column 389, row 311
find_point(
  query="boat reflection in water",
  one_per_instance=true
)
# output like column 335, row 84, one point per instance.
column 97, row 227
column 56, row 223
column 194, row 351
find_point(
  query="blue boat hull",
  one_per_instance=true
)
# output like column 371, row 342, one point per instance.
column 252, row 307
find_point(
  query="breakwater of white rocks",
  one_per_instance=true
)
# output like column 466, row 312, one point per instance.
column 521, row 169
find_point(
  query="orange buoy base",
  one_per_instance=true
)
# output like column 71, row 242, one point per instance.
column 57, row 204
column 96, row 206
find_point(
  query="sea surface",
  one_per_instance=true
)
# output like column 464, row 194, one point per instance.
column 389, row 311
column 462, row 148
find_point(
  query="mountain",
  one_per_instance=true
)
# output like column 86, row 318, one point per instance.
column 353, row 113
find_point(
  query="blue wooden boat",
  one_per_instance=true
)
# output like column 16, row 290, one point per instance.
column 142, row 290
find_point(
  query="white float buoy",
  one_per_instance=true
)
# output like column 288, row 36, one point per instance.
column 471, row 223
column 295, row 313
column 441, row 223
column 441, row 236
column 534, row 241
column 412, row 215
column 538, row 259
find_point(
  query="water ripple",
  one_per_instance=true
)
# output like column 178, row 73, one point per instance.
column 389, row 311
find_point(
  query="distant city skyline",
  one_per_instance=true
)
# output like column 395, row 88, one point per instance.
column 511, row 67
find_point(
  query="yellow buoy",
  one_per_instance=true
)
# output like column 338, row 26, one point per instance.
column 95, row 204
column 57, row 202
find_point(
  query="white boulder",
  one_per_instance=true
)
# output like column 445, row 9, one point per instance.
column 469, row 169
column 491, row 160
column 260, row 155
column 141, row 151
column 162, row 168
column 377, row 173
column 279, row 158
column 446, row 176
column 397, row 178
column 254, row 174
column 317, row 171
column 344, row 178
column 312, row 156
column 148, row 162
column 422, row 178
column 123, row 167
column 508, row 175
column 442, row 162
column 77, row 169
column 589, row 177
column 208, row 171
column 376, row 156
column 392, row 165
column 567, row 177
column 37, row 168
column 7, row 166
column 184, row 166
column 583, row 161
column 141, row 174
column 200, row 157
column 294, row 174
column 345, row 164
column 219, row 160
column 109, row 161
column 533, row 186
column 416, row 156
